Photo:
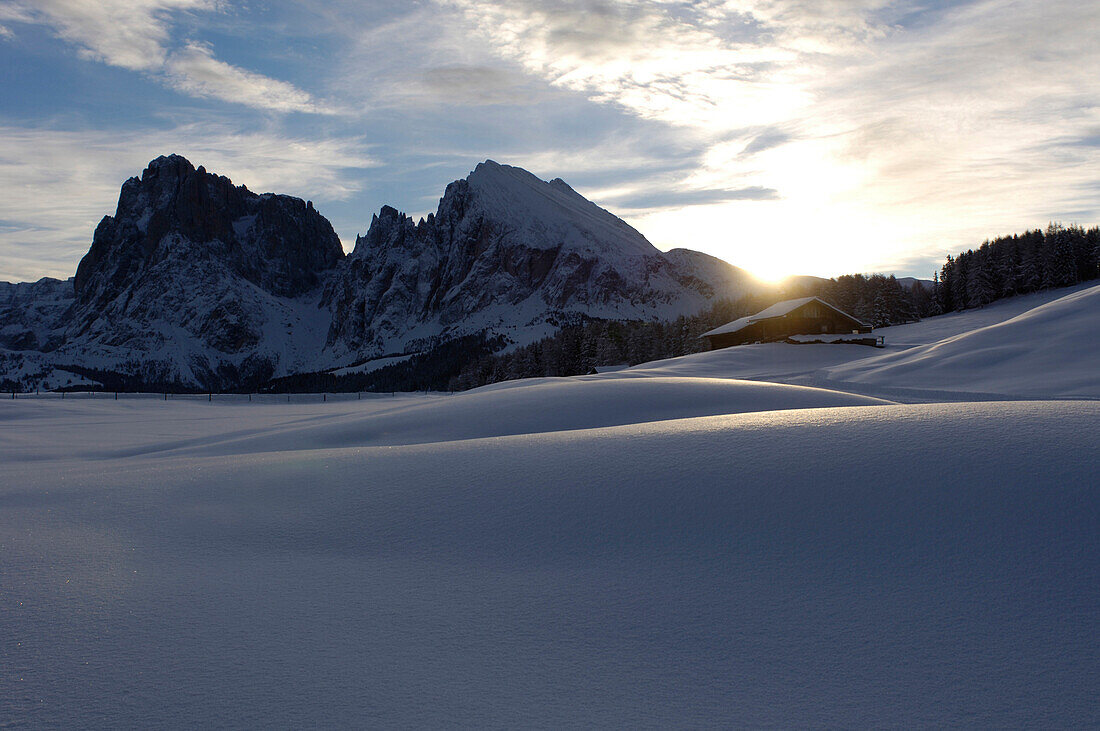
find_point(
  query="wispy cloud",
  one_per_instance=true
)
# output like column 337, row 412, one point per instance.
column 684, row 197
column 137, row 35
column 128, row 33
column 194, row 70
column 644, row 56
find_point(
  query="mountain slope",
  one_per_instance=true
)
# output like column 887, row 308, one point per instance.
column 200, row 282
column 31, row 312
column 512, row 253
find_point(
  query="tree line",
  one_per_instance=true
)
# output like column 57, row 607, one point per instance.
column 1009, row 265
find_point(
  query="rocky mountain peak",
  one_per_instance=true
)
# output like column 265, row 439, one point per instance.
column 174, row 210
column 508, row 250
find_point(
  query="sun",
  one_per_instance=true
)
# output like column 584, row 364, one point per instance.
column 770, row 271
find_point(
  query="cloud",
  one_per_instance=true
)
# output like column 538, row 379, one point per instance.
column 195, row 71
column 130, row 34
column 888, row 131
column 473, row 84
column 137, row 35
column 640, row 55
column 59, row 183
column 663, row 199
column 766, row 141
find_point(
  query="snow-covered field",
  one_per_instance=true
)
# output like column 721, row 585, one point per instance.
column 668, row 545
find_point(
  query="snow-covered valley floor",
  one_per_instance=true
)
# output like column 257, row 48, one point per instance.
column 669, row 545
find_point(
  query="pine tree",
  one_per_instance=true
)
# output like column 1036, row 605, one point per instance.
column 935, row 305
column 910, row 303
column 944, row 286
column 1094, row 239
column 1007, row 266
column 1031, row 267
column 960, row 280
column 979, row 285
column 1058, row 266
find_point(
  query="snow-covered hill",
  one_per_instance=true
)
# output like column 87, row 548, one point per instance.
column 887, row 565
column 1037, row 345
column 1050, row 351
column 197, row 282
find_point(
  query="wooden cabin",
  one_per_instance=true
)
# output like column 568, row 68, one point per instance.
column 804, row 316
column 607, row 368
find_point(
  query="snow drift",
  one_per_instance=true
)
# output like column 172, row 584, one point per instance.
column 864, row 566
column 1050, row 351
column 136, row 427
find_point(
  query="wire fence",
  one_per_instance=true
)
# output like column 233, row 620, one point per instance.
column 236, row 398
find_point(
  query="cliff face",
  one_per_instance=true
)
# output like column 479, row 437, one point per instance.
column 197, row 280
column 276, row 242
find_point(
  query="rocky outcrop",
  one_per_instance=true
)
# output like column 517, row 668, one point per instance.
column 197, row 277
column 506, row 251
column 279, row 243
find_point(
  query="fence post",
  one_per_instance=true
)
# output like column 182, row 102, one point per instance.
column 209, row 397
column 116, row 395
column 324, row 397
column 249, row 398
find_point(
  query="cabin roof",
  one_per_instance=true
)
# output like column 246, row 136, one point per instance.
column 779, row 309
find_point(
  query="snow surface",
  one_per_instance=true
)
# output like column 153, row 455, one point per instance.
column 52, row 430
column 722, row 570
column 1043, row 345
column 665, row 545
column 1051, row 351
column 372, row 365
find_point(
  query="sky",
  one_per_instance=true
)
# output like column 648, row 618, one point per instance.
column 785, row 136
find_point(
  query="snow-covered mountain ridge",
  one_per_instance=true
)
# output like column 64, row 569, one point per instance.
column 200, row 283
column 508, row 252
